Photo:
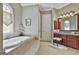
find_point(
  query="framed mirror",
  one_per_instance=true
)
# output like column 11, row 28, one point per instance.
column 28, row 22
column 69, row 23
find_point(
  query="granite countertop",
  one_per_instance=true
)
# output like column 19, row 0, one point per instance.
column 68, row 33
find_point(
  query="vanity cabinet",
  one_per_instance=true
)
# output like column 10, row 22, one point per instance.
column 73, row 41
column 69, row 40
column 64, row 39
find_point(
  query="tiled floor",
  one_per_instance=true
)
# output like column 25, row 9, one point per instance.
column 46, row 49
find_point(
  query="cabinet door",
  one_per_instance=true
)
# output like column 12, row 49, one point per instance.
column 72, row 41
column 75, row 42
column 64, row 39
column 57, row 24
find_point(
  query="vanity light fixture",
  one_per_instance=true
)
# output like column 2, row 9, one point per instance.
column 75, row 12
column 72, row 13
column 61, row 16
column 64, row 15
column 68, row 14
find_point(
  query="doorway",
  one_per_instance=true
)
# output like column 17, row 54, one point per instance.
column 46, row 27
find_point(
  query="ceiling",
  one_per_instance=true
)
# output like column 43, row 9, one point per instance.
column 46, row 6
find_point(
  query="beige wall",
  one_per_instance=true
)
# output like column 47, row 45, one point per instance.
column 70, row 7
column 55, row 15
column 1, row 29
column 33, row 13
column 17, row 16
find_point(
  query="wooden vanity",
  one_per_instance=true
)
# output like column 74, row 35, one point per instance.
column 68, row 40
column 68, row 25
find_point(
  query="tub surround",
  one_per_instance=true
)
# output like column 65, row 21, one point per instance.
column 13, row 46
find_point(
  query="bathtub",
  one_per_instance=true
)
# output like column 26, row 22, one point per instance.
column 12, row 43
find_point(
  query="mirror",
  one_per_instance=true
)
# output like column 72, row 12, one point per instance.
column 66, row 25
column 69, row 23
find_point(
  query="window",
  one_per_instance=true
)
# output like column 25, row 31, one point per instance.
column 7, row 18
column 66, row 25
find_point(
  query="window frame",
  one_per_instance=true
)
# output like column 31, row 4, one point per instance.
column 13, row 16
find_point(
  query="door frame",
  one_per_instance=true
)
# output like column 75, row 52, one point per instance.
column 46, row 12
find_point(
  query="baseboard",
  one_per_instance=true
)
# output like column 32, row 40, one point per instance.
column 1, row 53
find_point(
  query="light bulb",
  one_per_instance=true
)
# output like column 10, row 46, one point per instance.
column 64, row 15
column 67, row 14
column 71, row 14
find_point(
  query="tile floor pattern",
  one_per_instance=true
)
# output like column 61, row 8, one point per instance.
column 45, row 49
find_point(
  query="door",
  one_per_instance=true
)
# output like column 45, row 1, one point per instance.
column 46, row 27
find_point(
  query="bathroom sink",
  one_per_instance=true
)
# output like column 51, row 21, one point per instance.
column 74, row 33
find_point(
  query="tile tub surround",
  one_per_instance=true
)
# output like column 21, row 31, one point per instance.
column 27, row 48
